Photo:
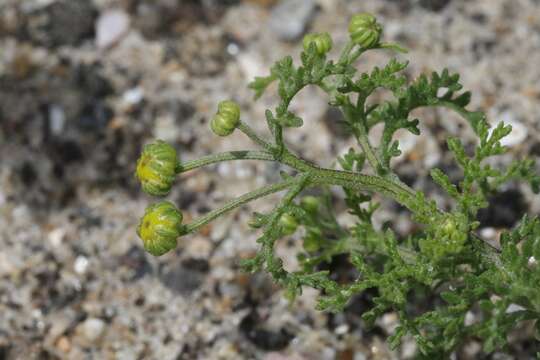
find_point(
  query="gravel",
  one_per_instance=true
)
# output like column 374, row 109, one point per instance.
column 84, row 84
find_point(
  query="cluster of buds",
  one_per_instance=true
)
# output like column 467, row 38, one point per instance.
column 157, row 167
column 159, row 163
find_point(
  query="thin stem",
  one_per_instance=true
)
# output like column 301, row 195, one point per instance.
column 361, row 135
column 246, row 129
column 233, row 204
column 344, row 56
column 225, row 156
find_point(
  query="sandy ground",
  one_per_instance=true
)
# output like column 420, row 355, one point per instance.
column 84, row 84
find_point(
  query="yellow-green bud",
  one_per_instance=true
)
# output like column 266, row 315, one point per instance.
column 322, row 42
column 310, row 203
column 156, row 168
column 364, row 30
column 226, row 118
column 312, row 242
column 288, row 224
column 159, row 228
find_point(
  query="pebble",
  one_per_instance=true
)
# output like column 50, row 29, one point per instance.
column 81, row 264
column 57, row 118
column 290, row 18
column 111, row 26
column 92, row 329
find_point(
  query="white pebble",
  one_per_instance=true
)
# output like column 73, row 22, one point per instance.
column 81, row 264
column 111, row 26
column 93, row 329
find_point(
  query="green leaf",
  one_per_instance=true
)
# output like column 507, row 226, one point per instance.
column 259, row 84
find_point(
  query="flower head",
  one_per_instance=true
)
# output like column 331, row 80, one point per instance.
column 364, row 30
column 226, row 118
column 159, row 228
column 288, row 224
column 321, row 41
column 156, row 168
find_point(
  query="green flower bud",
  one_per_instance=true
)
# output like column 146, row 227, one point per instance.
column 312, row 242
column 322, row 42
column 226, row 118
column 159, row 228
column 364, row 30
column 310, row 204
column 288, row 224
column 156, row 168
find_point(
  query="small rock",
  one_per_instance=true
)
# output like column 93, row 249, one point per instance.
column 64, row 22
column 290, row 18
column 63, row 344
column 81, row 264
column 264, row 338
column 165, row 128
column 434, row 5
column 186, row 277
column 57, row 119
column 92, row 329
column 133, row 96
column 56, row 236
column 504, row 210
column 111, row 26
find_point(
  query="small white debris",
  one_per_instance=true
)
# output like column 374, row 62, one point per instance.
column 532, row 262
column 92, row 329
column 57, row 119
column 56, row 237
column 81, row 264
column 111, row 26
column 512, row 308
column 342, row 329
column 233, row 49
column 469, row 318
column 133, row 96
column 488, row 233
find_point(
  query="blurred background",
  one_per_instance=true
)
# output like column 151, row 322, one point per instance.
column 85, row 83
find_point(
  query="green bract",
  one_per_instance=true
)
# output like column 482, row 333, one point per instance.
column 443, row 261
column 321, row 41
column 226, row 118
column 156, row 168
column 310, row 203
column 288, row 224
column 160, row 227
column 364, row 30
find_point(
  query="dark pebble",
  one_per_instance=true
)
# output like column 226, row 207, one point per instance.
column 504, row 210
column 434, row 5
column 186, row 277
column 270, row 340
column 135, row 260
column 68, row 22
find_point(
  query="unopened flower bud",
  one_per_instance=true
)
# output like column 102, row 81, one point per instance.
column 226, row 118
column 288, row 224
column 322, row 42
column 156, row 168
column 364, row 30
column 159, row 228
column 310, row 203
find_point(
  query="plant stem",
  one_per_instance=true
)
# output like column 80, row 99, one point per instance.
column 344, row 56
column 246, row 129
column 253, row 195
column 225, row 156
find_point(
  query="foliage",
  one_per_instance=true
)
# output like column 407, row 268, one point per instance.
column 446, row 257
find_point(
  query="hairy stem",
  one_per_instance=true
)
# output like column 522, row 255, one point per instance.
column 233, row 204
column 225, row 156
